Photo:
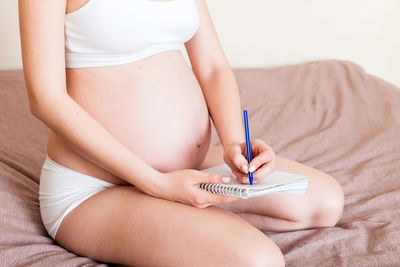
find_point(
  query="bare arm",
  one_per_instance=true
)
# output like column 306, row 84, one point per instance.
column 42, row 42
column 216, row 79
column 42, row 45
column 221, row 92
column 222, row 95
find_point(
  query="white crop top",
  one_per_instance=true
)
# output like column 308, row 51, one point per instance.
column 112, row 32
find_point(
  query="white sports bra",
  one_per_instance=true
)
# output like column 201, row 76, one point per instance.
column 112, row 32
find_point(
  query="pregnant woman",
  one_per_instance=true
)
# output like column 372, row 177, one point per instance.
column 130, row 132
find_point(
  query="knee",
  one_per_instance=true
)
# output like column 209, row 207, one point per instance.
column 258, row 253
column 267, row 255
column 330, row 207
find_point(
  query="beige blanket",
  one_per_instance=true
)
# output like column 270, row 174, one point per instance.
column 329, row 115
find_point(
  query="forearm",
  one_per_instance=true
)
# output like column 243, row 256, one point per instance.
column 223, row 100
column 90, row 139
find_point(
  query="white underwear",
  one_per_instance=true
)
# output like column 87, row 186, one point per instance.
column 63, row 189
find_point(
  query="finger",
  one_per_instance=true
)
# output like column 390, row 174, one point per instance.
column 207, row 197
column 235, row 159
column 263, row 157
column 201, row 200
column 262, row 172
column 243, row 178
column 208, row 178
column 240, row 162
column 258, row 145
column 257, row 175
column 239, row 176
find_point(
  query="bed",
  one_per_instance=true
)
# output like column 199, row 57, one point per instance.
column 330, row 115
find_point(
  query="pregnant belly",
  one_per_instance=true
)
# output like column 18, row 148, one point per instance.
column 155, row 107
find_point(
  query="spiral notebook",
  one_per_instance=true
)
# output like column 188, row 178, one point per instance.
column 276, row 182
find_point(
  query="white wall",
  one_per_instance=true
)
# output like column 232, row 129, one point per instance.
column 10, row 49
column 260, row 33
column 275, row 32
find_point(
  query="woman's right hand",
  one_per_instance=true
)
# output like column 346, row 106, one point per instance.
column 184, row 186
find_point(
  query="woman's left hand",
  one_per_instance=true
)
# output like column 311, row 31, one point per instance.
column 262, row 164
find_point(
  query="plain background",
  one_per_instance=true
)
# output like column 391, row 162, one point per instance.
column 264, row 33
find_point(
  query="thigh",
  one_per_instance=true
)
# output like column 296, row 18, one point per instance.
column 321, row 205
column 123, row 225
column 322, row 189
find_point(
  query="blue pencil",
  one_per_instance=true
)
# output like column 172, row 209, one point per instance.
column 248, row 145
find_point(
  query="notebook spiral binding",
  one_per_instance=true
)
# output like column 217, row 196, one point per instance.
column 225, row 189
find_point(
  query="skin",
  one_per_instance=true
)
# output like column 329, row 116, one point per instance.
column 136, row 222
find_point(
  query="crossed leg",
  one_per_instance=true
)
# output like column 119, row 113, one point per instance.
column 124, row 226
column 321, row 206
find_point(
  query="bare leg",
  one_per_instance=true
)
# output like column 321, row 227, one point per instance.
column 321, row 206
column 124, row 226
